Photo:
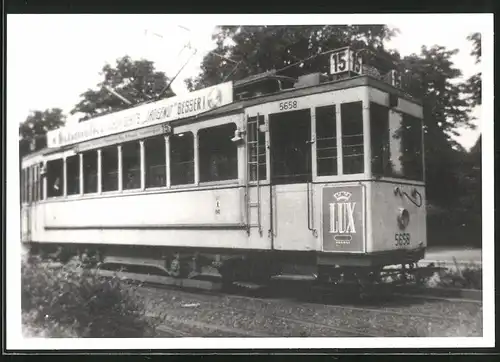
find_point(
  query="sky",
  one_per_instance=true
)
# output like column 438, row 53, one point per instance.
column 52, row 59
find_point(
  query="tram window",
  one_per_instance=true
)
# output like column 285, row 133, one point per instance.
column 182, row 158
column 109, row 164
column 352, row 137
column 411, row 147
column 90, row 172
column 55, row 178
column 21, row 185
column 326, row 140
column 31, row 184
column 290, row 146
column 28, row 173
column 131, row 162
column 256, row 148
column 396, row 144
column 218, row 154
column 73, row 175
column 40, row 181
column 24, row 189
column 36, row 197
column 155, row 161
column 379, row 130
column 35, row 183
column 25, row 185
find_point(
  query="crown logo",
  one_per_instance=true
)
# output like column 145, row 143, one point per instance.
column 342, row 195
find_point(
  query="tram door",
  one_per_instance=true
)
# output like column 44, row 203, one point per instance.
column 290, row 151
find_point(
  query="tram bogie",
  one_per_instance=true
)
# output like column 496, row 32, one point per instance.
column 328, row 175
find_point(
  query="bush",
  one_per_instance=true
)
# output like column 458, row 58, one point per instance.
column 453, row 227
column 69, row 301
column 469, row 277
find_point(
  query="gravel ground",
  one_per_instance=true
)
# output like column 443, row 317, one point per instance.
column 192, row 314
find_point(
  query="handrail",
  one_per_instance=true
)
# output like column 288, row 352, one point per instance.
column 310, row 223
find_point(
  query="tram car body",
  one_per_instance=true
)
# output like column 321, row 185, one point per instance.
column 326, row 174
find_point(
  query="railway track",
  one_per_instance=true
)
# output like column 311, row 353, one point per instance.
column 256, row 307
column 257, row 303
column 252, row 313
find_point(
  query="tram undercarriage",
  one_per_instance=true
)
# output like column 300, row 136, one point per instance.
column 230, row 266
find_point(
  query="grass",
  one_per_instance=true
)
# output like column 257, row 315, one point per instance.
column 466, row 277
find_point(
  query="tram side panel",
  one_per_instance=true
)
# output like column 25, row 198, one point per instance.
column 191, row 218
column 398, row 217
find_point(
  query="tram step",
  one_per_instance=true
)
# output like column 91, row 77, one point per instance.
column 157, row 279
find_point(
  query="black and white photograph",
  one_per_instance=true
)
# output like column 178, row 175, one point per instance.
column 261, row 181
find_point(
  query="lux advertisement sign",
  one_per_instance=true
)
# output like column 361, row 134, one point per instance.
column 165, row 110
column 343, row 224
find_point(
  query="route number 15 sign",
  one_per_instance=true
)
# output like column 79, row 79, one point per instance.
column 344, row 60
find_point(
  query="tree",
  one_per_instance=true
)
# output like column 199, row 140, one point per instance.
column 431, row 78
column 473, row 86
column 258, row 49
column 135, row 80
column 32, row 132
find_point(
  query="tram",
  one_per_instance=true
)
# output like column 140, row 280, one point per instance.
column 246, row 177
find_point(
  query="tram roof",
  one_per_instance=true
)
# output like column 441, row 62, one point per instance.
column 240, row 105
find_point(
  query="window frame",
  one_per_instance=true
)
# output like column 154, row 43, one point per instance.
column 309, row 165
column 341, row 176
column 62, row 174
column 166, row 165
column 96, row 192
column 118, row 171
column 197, row 150
column 317, row 140
column 265, row 124
column 77, row 156
column 379, row 101
column 364, row 128
column 137, row 144
column 195, row 156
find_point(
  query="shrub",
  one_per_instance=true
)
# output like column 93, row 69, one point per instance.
column 69, row 301
column 469, row 277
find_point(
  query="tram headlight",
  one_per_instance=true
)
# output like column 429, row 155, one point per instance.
column 403, row 218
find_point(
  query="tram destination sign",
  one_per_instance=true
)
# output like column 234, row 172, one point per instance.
column 343, row 224
column 165, row 110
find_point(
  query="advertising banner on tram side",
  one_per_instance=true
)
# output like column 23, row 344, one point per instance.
column 162, row 111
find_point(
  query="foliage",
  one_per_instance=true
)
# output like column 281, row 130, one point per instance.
column 259, row 49
column 467, row 277
column 433, row 79
column 35, row 127
column 135, row 80
column 71, row 301
column 473, row 85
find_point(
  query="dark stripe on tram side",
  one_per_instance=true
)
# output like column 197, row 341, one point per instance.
column 153, row 227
